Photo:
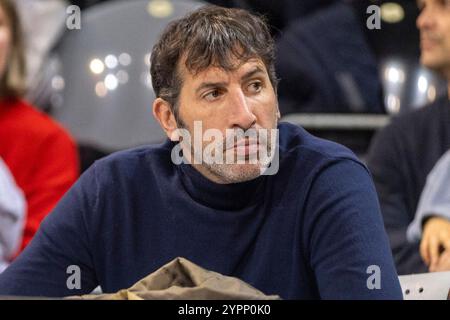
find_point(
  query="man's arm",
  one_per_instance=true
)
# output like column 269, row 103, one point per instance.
column 385, row 163
column 49, row 265
column 347, row 246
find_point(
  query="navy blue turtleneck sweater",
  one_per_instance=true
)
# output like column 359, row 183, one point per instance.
column 311, row 231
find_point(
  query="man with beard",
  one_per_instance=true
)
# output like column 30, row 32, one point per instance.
column 299, row 219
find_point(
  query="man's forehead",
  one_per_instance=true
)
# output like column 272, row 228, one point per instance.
column 214, row 72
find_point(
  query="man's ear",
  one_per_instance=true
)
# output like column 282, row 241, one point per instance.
column 163, row 114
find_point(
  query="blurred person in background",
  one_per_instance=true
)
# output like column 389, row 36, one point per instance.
column 41, row 156
column 12, row 215
column 403, row 154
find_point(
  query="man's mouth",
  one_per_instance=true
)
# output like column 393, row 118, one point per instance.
column 427, row 43
column 245, row 147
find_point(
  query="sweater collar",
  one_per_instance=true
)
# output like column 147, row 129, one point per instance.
column 232, row 196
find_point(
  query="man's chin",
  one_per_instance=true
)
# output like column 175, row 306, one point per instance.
column 433, row 62
column 235, row 173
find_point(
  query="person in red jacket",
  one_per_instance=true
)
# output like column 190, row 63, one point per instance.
column 40, row 154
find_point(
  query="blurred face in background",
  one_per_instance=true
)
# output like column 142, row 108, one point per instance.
column 434, row 26
column 5, row 40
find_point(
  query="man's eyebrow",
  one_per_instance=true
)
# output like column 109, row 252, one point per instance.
column 252, row 73
column 206, row 85
column 246, row 76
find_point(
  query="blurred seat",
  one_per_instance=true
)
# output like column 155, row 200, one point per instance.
column 103, row 90
column 426, row 286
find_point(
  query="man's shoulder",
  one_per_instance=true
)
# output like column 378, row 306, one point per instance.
column 135, row 161
column 294, row 140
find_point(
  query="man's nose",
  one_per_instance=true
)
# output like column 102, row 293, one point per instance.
column 425, row 19
column 241, row 114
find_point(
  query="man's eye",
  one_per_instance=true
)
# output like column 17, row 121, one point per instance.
column 212, row 95
column 255, row 86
